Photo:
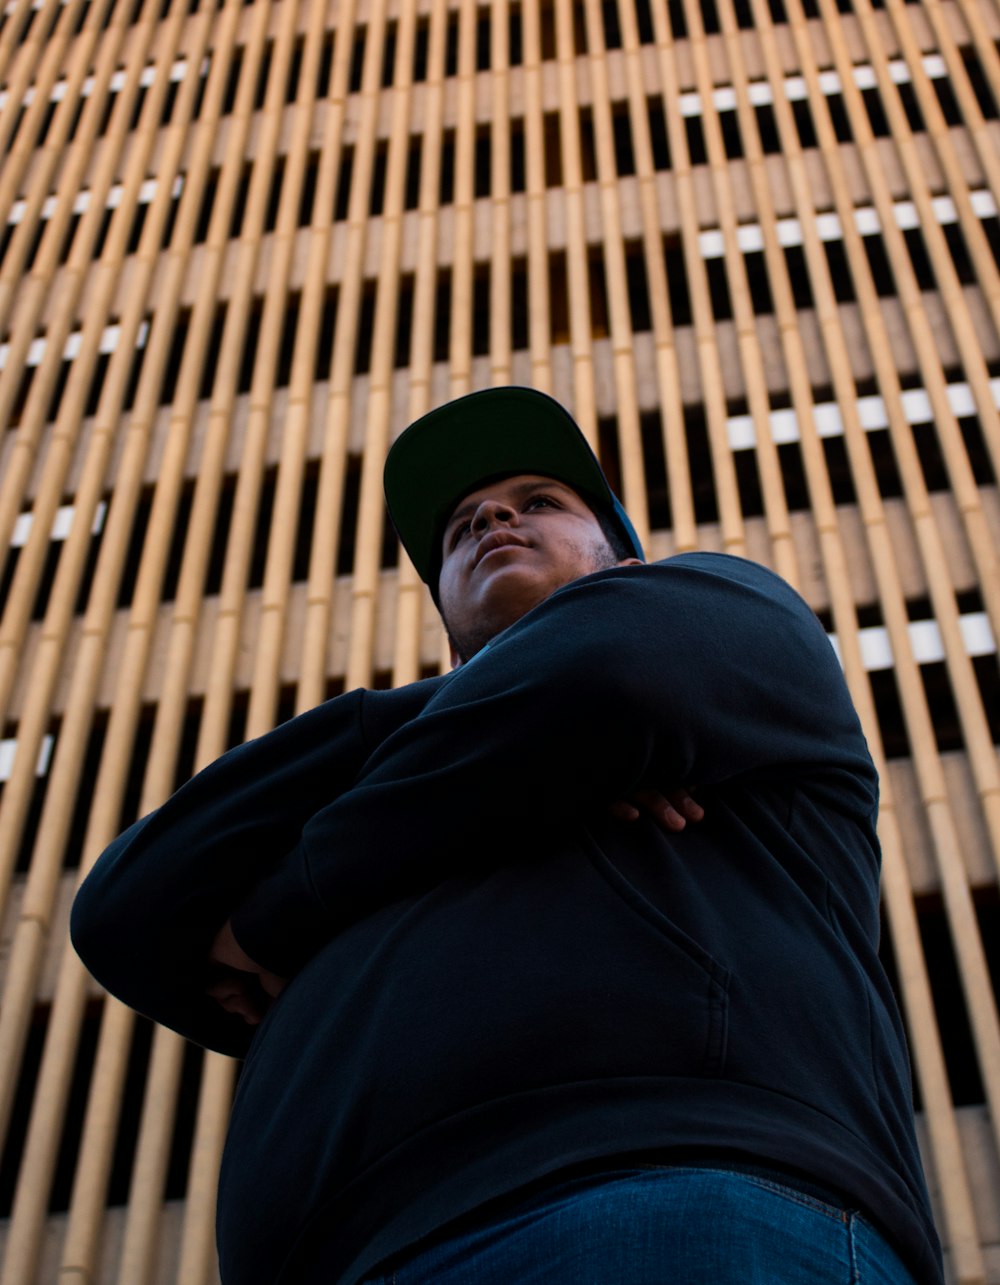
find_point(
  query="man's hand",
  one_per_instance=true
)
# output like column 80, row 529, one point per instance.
column 671, row 811
column 239, row 984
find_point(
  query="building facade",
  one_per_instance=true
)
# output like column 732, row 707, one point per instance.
column 753, row 244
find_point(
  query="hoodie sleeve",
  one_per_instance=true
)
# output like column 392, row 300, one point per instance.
column 146, row 914
column 693, row 671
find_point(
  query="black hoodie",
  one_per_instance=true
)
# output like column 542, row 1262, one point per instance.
column 495, row 980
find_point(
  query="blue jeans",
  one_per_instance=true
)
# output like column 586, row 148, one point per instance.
column 662, row 1226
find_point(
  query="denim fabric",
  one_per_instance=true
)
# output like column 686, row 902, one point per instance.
column 662, row 1226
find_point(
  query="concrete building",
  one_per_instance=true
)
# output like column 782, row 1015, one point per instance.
column 753, row 244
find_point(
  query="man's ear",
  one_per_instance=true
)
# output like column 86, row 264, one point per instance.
column 631, row 562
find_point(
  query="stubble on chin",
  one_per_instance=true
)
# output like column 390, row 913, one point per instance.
column 486, row 626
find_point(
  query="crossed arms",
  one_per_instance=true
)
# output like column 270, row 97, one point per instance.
column 703, row 668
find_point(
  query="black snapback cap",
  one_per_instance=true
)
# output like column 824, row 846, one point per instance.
column 474, row 440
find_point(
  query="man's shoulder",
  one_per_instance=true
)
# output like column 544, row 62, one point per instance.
column 706, row 572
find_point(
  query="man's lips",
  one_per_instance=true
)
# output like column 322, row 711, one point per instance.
column 497, row 540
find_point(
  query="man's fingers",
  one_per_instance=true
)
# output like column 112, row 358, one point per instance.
column 624, row 811
column 686, row 804
column 671, row 810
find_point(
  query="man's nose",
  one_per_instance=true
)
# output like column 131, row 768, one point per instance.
column 490, row 512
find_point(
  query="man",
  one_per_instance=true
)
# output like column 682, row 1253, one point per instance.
column 526, row 1039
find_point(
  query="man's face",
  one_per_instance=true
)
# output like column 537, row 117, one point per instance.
column 506, row 548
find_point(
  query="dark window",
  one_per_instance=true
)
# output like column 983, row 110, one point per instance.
column 249, row 355
column 357, row 60
column 638, row 286
column 366, row 330
column 483, row 40
column 341, row 202
column 624, row 153
column 702, row 476
column 732, row 140
column 804, row 123
column 655, row 467
column 240, row 200
column 136, row 545
column 421, row 45
column 376, row 196
column 914, row 115
column 308, row 195
column 677, row 284
column 260, row 90
column 211, row 361
column 840, row 272
column 798, row 276
column 839, row 118
column 580, row 46
column 135, row 231
column 442, row 315
column 286, row 349
column 949, row 103
column 588, row 145
column 481, row 310
column 748, row 481
column 294, row 71
column 768, row 128
column 980, row 84
column 262, row 529
column 172, row 369
column 991, row 227
column 553, row 151
column 884, row 463
column 547, row 18
column 960, row 253
column 515, row 43
column 304, row 528
column 644, row 20
column 451, row 46
column 233, row 80
column 879, row 265
column 793, row 476
column 327, row 330
column 920, row 259
column 658, row 134
column 718, row 285
column 838, row 466
column 274, row 196
column 446, row 179
column 517, row 162
column 519, row 304
column 876, row 112
column 411, row 198
column 600, row 325
column 483, row 161
column 389, row 55
column 558, row 298
column 325, row 66
column 710, row 18
column 678, row 19
column 404, row 322
column 612, row 25
column 760, row 286
column 697, row 153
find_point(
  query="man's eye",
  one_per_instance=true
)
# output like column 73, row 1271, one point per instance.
column 538, row 501
column 462, row 529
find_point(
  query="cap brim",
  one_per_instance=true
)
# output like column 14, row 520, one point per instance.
column 467, row 443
